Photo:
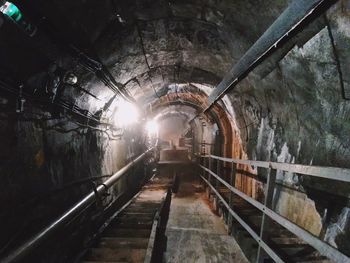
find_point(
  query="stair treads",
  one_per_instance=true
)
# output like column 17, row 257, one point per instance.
column 108, row 254
column 127, row 232
column 120, row 242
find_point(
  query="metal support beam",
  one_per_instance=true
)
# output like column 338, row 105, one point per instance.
column 292, row 20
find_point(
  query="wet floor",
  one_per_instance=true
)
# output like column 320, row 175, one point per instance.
column 195, row 233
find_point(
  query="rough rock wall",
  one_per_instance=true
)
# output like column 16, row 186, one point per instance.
column 291, row 111
column 45, row 165
column 298, row 113
column 294, row 111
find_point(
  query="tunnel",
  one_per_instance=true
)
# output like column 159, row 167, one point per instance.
column 174, row 131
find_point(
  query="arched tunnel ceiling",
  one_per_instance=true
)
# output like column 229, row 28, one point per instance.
column 169, row 55
column 161, row 44
column 150, row 47
column 186, row 112
column 155, row 52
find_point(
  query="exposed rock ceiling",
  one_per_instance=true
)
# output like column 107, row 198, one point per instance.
column 155, row 49
column 164, row 46
column 168, row 56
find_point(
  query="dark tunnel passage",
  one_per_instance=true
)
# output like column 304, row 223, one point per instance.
column 174, row 131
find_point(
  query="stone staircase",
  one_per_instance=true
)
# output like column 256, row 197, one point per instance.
column 128, row 237
column 288, row 246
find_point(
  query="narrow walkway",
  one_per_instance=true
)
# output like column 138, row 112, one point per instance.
column 195, row 233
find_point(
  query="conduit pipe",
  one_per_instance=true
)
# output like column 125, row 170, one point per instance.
column 292, row 20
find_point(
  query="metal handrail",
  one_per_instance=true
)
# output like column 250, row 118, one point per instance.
column 89, row 199
column 324, row 172
column 265, row 246
column 333, row 173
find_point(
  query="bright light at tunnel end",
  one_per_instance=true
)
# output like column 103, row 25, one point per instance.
column 126, row 114
column 152, row 127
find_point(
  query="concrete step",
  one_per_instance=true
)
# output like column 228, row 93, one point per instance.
column 248, row 211
column 279, row 233
column 134, row 220
column 147, row 210
column 126, row 238
column 292, row 249
column 132, row 225
column 156, row 186
column 115, row 242
column 312, row 259
column 139, row 216
column 127, row 232
column 224, row 192
column 287, row 240
column 144, row 205
column 116, row 255
column 132, row 213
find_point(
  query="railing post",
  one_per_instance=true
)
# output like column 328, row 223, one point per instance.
column 202, row 162
column 216, row 186
column 209, row 167
column 217, row 183
column 270, row 187
column 232, row 183
column 264, row 249
column 208, row 190
column 201, row 171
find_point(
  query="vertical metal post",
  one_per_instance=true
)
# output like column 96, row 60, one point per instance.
column 216, row 185
column 270, row 187
column 202, row 162
column 232, row 182
column 208, row 189
column 218, row 172
column 209, row 167
column 199, row 170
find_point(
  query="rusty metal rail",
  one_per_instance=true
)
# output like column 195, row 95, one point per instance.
column 332, row 173
column 89, row 199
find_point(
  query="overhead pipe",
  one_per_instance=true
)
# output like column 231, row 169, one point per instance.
column 292, row 20
column 89, row 59
column 32, row 243
column 102, row 73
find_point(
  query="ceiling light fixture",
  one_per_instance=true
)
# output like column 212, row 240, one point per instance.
column 152, row 127
column 126, row 114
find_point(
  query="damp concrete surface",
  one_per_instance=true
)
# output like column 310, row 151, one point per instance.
column 194, row 232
